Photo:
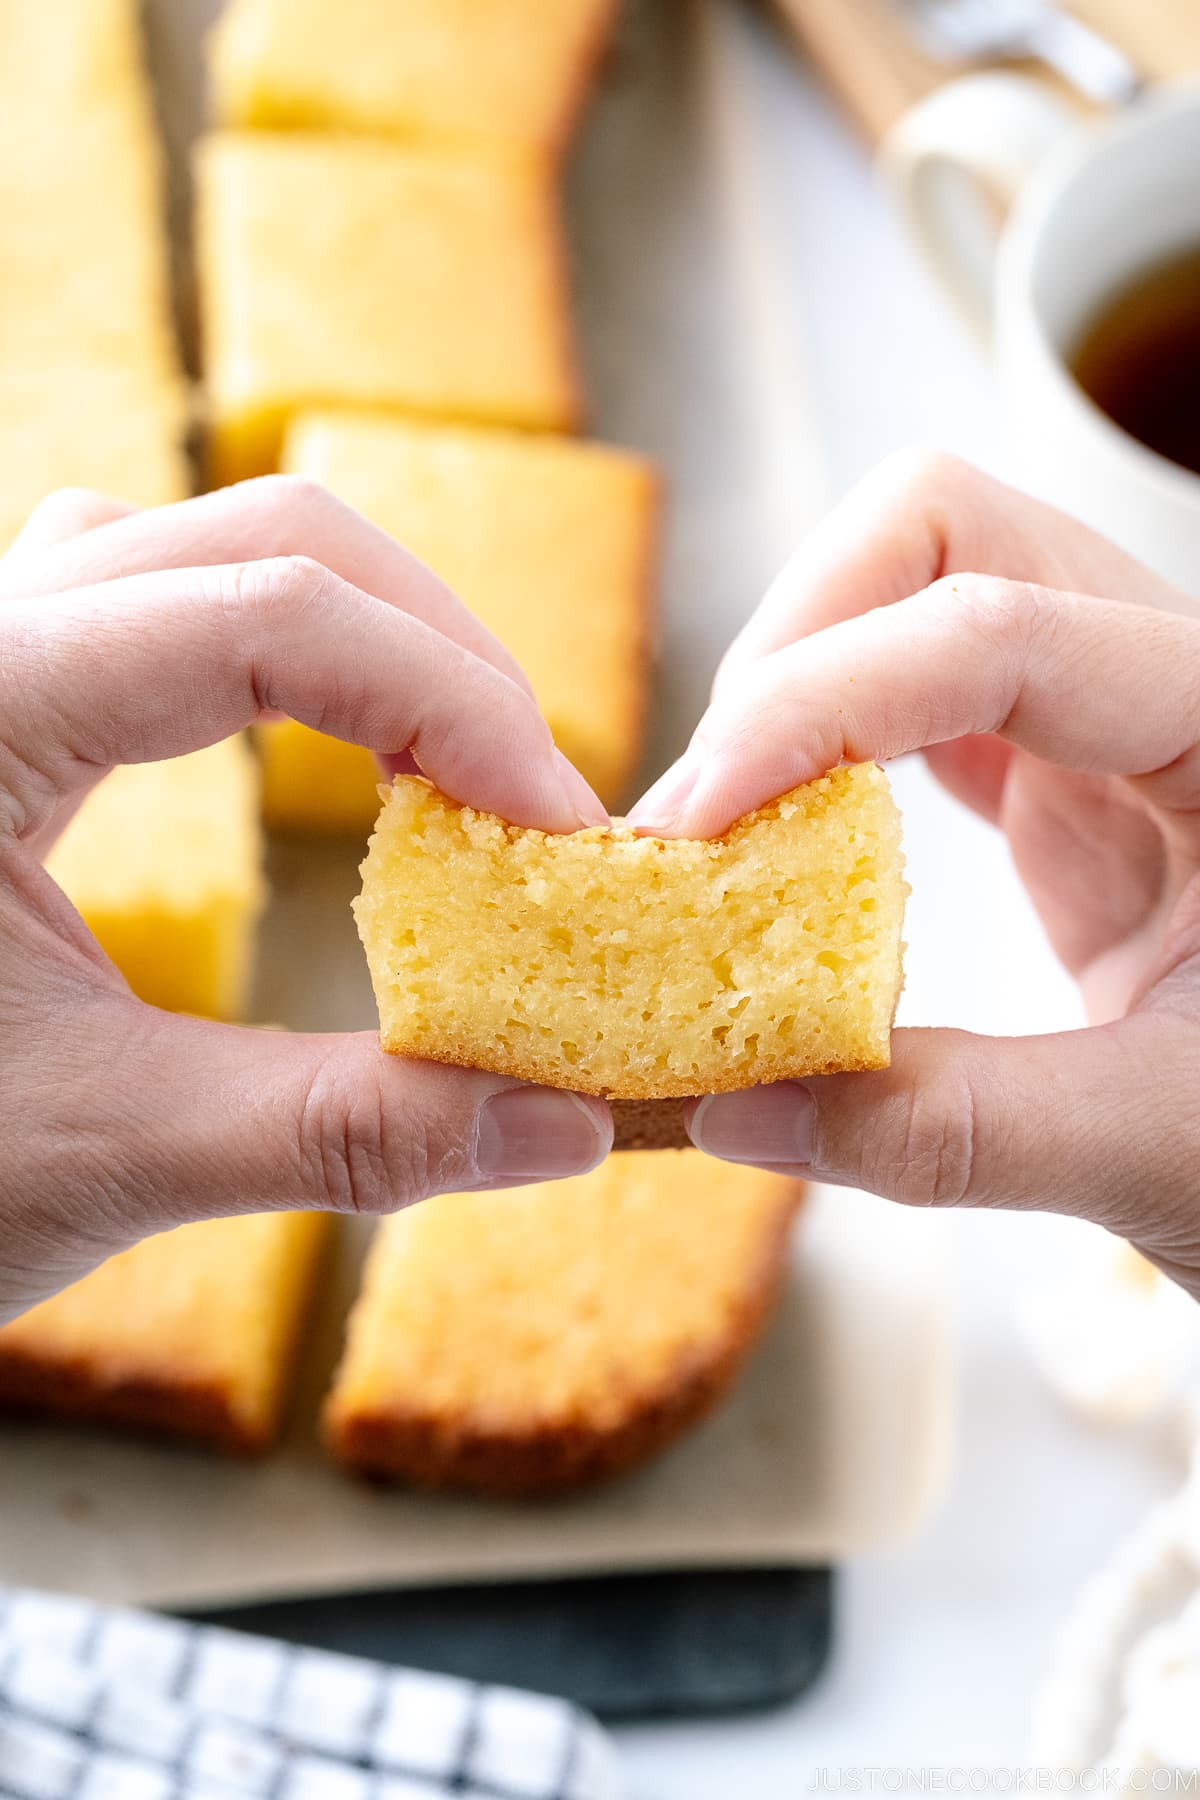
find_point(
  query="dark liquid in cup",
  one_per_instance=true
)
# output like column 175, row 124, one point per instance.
column 1139, row 358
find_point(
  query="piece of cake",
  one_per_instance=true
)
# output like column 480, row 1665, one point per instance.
column 104, row 428
column 192, row 1333
column 640, row 968
column 313, row 783
column 466, row 69
column 68, row 53
column 86, row 276
column 535, row 1340
column 342, row 270
column 549, row 541
column 163, row 860
column 90, row 388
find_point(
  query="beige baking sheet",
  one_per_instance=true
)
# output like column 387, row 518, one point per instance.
column 835, row 1441
column 837, row 1438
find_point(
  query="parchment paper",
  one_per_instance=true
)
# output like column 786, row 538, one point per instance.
column 834, row 1441
column 837, row 1437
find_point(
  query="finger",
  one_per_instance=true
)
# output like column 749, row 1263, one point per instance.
column 916, row 518
column 206, row 651
column 61, row 516
column 1089, row 684
column 1057, row 1123
column 277, row 515
column 166, row 1120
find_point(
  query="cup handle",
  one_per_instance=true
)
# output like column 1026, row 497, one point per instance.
column 955, row 163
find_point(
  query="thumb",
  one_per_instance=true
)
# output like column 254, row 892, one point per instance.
column 157, row 1120
column 331, row 1121
column 1093, row 1122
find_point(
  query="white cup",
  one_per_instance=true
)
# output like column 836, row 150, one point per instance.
column 1033, row 219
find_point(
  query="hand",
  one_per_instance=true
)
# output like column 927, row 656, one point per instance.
column 1053, row 685
column 130, row 636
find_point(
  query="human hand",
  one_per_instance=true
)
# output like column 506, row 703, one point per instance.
column 1054, row 686
column 126, row 637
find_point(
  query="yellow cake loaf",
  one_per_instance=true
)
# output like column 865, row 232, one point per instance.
column 550, row 542
column 81, row 193
column 446, row 68
column 347, row 270
column 121, row 432
column 637, row 967
column 535, row 1340
column 192, row 1333
column 163, row 860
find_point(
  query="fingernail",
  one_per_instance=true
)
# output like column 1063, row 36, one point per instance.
column 536, row 1133
column 660, row 804
column 589, row 807
column 774, row 1125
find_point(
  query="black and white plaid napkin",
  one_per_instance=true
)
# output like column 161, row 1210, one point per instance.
column 101, row 1703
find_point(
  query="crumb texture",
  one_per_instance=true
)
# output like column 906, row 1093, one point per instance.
column 563, row 1333
column 640, row 968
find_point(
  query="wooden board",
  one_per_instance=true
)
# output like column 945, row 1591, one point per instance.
column 867, row 53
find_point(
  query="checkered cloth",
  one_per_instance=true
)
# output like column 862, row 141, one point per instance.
column 100, row 1703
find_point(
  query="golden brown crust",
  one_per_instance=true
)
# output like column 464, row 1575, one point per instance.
column 400, row 1443
column 549, row 1074
column 160, row 1405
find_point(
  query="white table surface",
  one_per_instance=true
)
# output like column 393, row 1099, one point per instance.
column 940, row 1644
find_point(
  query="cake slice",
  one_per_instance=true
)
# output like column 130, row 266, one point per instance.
column 525, row 1342
column 315, row 784
column 362, row 272
column 163, row 860
column 91, row 392
column 550, row 542
column 63, row 54
column 86, row 277
column 192, row 1333
column 640, row 968
column 465, row 69
column 107, row 428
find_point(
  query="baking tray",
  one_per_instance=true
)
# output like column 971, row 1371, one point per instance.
column 833, row 1442
column 836, row 1439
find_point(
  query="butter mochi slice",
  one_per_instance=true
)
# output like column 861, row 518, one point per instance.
column 82, row 195
column 190, row 1334
column 119, row 430
column 640, row 968
column 473, row 70
column 563, row 1335
column 551, row 543
column 164, row 862
column 353, row 271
